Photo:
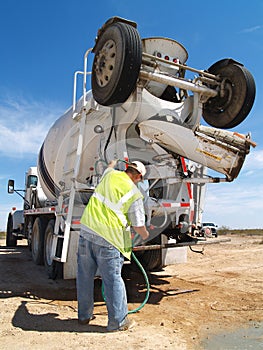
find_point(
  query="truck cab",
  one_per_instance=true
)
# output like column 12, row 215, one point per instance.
column 33, row 197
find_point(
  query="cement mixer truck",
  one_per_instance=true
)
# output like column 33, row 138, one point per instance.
column 142, row 106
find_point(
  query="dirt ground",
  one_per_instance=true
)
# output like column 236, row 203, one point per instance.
column 220, row 290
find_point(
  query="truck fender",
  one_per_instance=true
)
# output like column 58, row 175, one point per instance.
column 18, row 218
column 109, row 22
column 222, row 63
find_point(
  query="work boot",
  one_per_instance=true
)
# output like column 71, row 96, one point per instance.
column 128, row 324
column 87, row 320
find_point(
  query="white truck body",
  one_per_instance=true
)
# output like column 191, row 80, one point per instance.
column 143, row 124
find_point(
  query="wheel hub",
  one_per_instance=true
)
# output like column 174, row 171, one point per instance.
column 105, row 63
column 221, row 102
column 225, row 98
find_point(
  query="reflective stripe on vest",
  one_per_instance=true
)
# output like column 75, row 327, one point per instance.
column 112, row 206
column 116, row 207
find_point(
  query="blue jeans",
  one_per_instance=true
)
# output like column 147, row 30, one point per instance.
column 95, row 253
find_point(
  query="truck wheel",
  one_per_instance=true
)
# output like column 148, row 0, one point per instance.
column 37, row 241
column 116, row 65
column 151, row 259
column 232, row 107
column 53, row 268
column 11, row 240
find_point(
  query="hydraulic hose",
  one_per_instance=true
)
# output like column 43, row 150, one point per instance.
column 147, row 285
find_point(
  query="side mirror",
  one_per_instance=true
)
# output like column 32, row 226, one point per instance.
column 11, row 186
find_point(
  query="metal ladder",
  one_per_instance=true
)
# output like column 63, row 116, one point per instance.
column 71, row 171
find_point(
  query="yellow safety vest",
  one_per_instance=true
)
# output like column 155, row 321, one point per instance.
column 107, row 210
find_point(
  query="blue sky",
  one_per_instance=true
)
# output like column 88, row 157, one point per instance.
column 43, row 43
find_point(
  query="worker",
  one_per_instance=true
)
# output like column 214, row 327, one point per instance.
column 105, row 240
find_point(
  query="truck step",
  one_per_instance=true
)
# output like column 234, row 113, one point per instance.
column 57, row 258
column 58, row 236
column 75, row 131
column 64, row 192
column 72, row 151
column 69, row 171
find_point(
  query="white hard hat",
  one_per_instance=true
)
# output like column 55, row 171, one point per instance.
column 139, row 166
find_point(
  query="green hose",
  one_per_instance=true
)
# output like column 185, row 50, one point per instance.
column 147, row 283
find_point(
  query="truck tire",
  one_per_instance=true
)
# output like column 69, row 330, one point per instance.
column 230, row 110
column 37, row 240
column 11, row 240
column 116, row 65
column 53, row 268
column 151, row 259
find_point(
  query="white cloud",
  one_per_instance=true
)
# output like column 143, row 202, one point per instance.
column 238, row 204
column 254, row 160
column 253, row 166
column 252, row 29
column 24, row 124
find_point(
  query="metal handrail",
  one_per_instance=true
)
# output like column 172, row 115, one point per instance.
column 84, row 87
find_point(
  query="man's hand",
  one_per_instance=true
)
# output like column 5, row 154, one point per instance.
column 142, row 231
column 112, row 163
